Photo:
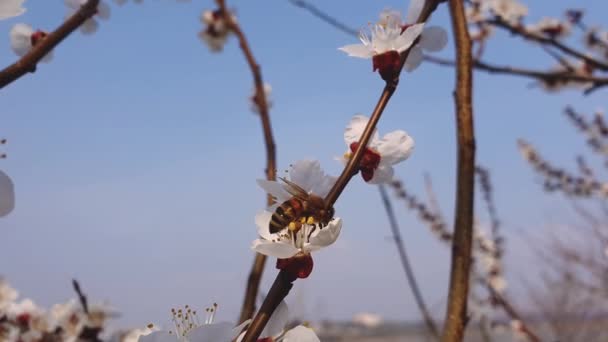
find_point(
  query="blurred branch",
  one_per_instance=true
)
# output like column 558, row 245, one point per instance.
column 315, row 11
column 407, row 268
column 548, row 77
column 257, row 269
column 522, row 32
column 462, row 246
column 28, row 62
column 81, row 296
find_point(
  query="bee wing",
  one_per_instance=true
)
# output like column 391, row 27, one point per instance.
column 294, row 189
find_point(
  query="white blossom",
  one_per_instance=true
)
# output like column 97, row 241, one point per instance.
column 11, row 8
column 23, row 38
column 7, row 196
column 276, row 328
column 381, row 154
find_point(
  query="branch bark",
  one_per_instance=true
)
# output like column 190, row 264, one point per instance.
column 456, row 315
column 28, row 62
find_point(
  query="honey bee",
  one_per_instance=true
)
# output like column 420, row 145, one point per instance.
column 301, row 208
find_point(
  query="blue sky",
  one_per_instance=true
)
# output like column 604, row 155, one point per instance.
column 135, row 155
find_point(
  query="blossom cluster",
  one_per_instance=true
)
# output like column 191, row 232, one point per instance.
column 21, row 320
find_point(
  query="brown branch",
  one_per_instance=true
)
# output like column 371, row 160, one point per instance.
column 257, row 269
column 522, row 32
column 407, row 268
column 545, row 76
column 456, row 315
column 279, row 290
column 28, row 62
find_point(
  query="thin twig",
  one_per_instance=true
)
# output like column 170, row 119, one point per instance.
column 407, row 268
column 28, row 62
column 456, row 315
column 546, row 76
column 510, row 310
column 522, row 32
column 257, row 269
column 81, row 296
column 324, row 17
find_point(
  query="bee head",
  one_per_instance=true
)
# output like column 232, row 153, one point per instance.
column 326, row 214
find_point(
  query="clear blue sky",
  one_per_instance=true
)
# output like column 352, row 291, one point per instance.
column 135, row 155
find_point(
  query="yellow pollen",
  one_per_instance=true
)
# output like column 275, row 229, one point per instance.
column 347, row 155
column 311, row 220
column 292, row 226
column 303, row 220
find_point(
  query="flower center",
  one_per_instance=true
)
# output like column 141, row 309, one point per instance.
column 186, row 319
column 369, row 162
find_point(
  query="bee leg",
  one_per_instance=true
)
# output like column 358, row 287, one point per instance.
column 311, row 231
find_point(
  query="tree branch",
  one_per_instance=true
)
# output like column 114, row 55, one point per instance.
column 407, row 268
column 28, row 62
column 456, row 315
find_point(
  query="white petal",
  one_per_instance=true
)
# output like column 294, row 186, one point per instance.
column 262, row 220
column 407, row 38
column 433, row 39
column 301, row 334
column 275, row 189
column 120, row 2
column 306, row 174
column 395, row 147
column 11, row 8
column 277, row 322
column 358, row 50
column 21, row 41
column 414, row 59
column 414, row 10
column 103, row 10
column 7, row 194
column 322, row 188
column 219, row 332
column 89, row 26
column 279, row 250
column 383, row 174
column 355, row 129
column 326, row 236
column 390, row 17
column 158, row 336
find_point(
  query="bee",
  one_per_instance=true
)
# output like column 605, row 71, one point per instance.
column 299, row 209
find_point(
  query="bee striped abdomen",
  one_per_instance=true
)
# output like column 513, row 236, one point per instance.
column 287, row 212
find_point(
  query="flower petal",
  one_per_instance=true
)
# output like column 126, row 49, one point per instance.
column 414, row 10
column 238, row 329
column 326, row 236
column 407, row 38
column 355, row 129
column 433, row 39
column 262, row 221
column 395, row 147
column 103, row 10
column 274, row 249
column 89, row 26
column 7, row 194
column 306, row 174
column 358, row 50
column 324, row 185
column 277, row 322
column 413, row 59
column 274, row 189
column 301, row 334
column 21, row 41
column 383, row 174
column 11, row 8
column 218, row 332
